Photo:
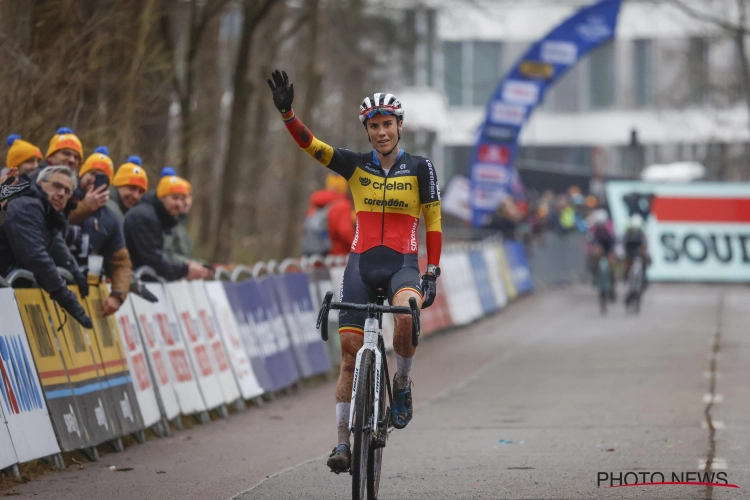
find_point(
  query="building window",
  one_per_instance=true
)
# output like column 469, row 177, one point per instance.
column 474, row 87
column 698, row 69
column 642, row 72
column 602, row 77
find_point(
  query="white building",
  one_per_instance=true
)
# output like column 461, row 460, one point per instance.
column 667, row 89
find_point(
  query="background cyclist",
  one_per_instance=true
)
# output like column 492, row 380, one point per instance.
column 600, row 241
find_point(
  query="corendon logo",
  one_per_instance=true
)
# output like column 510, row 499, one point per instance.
column 490, row 153
column 189, row 327
column 413, row 239
column 141, row 371
column 640, row 478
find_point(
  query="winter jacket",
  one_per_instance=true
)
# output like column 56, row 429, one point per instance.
column 115, row 204
column 178, row 246
column 145, row 227
column 340, row 218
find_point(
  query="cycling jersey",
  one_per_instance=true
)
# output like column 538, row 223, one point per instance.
column 387, row 204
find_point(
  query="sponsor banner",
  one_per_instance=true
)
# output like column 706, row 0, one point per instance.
column 436, row 317
column 199, row 352
column 456, row 198
column 482, row 280
column 320, row 284
column 292, row 327
column 167, row 353
column 230, row 332
column 64, row 410
column 493, row 153
column 463, row 300
column 143, row 382
column 519, row 266
column 7, row 453
column 247, row 326
column 489, row 174
column 495, row 275
column 283, row 360
column 112, row 366
column 21, row 400
column 77, row 352
column 694, row 232
column 510, row 287
column 487, row 198
column 523, row 88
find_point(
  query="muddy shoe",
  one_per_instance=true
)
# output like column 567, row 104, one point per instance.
column 402, row 408
column 340, row 458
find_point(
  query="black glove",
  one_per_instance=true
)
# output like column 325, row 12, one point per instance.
column 69, row 302
column 8, row 192
column 283, row 92
column 429, row 290
column 143, row 292
column 83, row 285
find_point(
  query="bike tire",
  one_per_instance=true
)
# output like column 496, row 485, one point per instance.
column 362, row 415
column 375, row 456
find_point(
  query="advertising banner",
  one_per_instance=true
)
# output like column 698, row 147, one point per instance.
column 437, row 316
column 695, row 232
column 21, row 399
column 7, row 453
column 204, row 366
column 463, row 300
column 238, row 295
column 482, row 280
column 493, row 172
column 112, row 366
column 495, row 275
column 77, row 352
column 138, row 363
column 519, row 266
column 281, row 364
column 67, row 416
column 243, row 370
column 167, row 354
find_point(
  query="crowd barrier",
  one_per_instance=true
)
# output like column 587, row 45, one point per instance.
column 201, row 346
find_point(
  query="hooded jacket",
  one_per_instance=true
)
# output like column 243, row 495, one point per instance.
column 145, row 227
column 115, row 204
column 340, row 218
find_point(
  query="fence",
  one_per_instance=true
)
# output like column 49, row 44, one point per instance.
column 200, row 347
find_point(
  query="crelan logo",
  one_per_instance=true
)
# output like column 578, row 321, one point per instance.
column 365, row 181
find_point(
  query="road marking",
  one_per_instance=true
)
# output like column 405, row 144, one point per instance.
column 716, row 464
column 718, row 424
column 717, row 398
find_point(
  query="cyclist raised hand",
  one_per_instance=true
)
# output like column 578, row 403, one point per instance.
column 390, row 188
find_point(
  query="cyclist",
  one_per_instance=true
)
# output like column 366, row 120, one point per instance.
column 600, row 241
column 389, row 187
column 635, row 243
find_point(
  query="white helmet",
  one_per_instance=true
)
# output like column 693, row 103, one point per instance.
column 386, row 104
column 600, row 217
column 636, row 221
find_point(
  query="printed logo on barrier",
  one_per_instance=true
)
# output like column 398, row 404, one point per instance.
column 71, row 422
column 488, row 199
column 490, row 153
column 146, row 329
column 101, row 415
column 190, row 329
column 507, row 114
column 127, row 333
column 221, row 357
column 208, row 323
column 594, row 29
column 500, row 134
column 489, row 173
column 518, row 92
column 203, row 362
column 559, row 52
column 140, row 370
column 161, row 369
column 180, row 366
column 127, row 410
column 18, row 386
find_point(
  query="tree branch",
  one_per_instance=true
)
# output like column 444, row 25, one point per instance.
column 705, row 16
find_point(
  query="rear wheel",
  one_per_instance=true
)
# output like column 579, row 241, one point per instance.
column 362, row 427
column 375, row 458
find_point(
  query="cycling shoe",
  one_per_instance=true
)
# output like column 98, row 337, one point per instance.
column 340, row 459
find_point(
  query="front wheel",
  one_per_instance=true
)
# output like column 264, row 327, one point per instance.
column 362, row 427
column 375, row 458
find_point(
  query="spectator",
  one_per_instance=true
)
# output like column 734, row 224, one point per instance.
column 178, row 245
column 29, row 239
column 23, row 157
column 329, row 224
column 64, row 149
column 505, row 218
column 146, row 223
column 130, row 182
column 101, row 234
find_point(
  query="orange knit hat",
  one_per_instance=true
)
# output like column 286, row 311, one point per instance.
column 99, row 160
column 20, row 151
column 131, row 174
column 172, row 185
column 64, row 139
column 335, row 182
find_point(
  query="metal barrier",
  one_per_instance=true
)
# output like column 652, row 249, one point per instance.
column 558, row 259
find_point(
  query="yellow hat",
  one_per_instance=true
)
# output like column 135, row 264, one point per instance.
column 131, row 174
column 20, row 151
column 172, row 185
column 64, row 139
column 335, row 182
column 99, row 160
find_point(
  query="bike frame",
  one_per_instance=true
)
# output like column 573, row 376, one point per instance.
column 373, row 338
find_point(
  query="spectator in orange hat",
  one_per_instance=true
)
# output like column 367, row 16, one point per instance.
column 23, row 157
column 329, row 224
column 65, row 149
column 129, row 185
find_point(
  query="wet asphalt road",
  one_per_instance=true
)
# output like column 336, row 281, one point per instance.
column 531, row 403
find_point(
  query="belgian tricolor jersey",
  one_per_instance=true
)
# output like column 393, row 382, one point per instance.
column 388, row 205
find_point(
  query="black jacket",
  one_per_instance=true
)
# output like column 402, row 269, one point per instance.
column 31, row 238
column 145, row 226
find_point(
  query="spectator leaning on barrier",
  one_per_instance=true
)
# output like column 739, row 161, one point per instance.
column 101, row 234
column 329, row 223
column 129, row 185
column 29, row 238
column 149, row 220
column 178, row 245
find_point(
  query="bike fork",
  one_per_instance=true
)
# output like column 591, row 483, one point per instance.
column 371, row 344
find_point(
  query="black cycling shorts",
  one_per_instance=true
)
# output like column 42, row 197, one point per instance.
column 379, row 267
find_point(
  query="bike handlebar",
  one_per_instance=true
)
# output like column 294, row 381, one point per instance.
column 369, row 308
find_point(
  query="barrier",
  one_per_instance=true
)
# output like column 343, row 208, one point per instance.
column 229, row 331
column 559, row 258
column 7, row 452
column 22, row 404
column 519, row 266
column 178, row 388
column 136, row 356
column 494, row 274
column 281, row 364
column 204, row 367
column 320, row 284
column 463, row 301
column 112, row 366
column 507, row 276
column 482, row 281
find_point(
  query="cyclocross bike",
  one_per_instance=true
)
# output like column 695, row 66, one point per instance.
column 635, row 285
column 604, row 283
column 369, row 416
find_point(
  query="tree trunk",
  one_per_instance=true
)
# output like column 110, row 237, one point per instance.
column 745, row 66
column 238, row 124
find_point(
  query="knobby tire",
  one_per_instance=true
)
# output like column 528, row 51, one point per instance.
column 375, row 456
column 362, row 437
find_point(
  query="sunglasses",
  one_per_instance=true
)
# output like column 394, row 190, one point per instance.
column 383, row 109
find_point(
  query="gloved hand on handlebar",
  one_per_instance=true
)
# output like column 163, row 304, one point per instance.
column 283, row 91
column 69, row 302
column 429, row 289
